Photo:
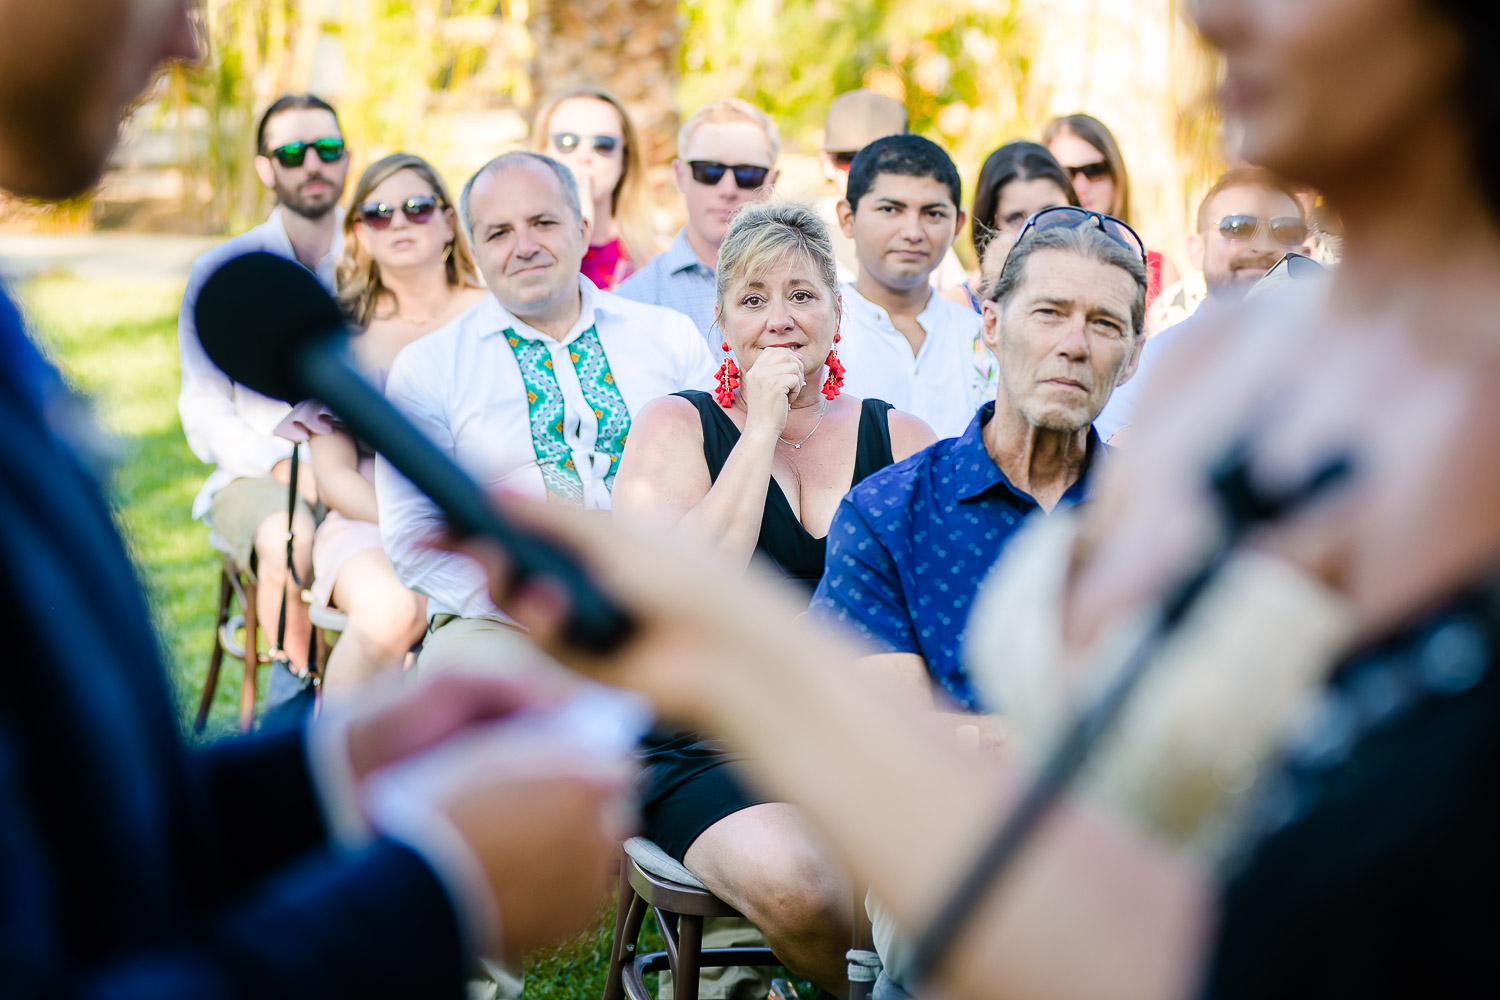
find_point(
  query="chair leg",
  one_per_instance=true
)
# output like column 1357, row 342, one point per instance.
column 628, row 917
column 319, row 664
column 252, row 657
column 864, row 942
column 689, row 952
column 211, row 681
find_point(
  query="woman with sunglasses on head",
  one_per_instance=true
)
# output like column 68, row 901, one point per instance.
column 588, row 130
column 1087, row 150
column 1017, row 180
column 757, row 469
column 406, row 271
column 1317, row 749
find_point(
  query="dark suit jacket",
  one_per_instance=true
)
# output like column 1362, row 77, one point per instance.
column 131, row 864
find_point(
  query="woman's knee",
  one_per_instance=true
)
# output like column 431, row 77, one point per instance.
column 380, row 609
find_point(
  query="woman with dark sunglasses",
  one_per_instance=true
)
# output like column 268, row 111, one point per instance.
column 406, row 271
column 1087, row 150
column 588, row 130
column 1356, row 818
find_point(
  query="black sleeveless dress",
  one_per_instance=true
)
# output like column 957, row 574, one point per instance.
column 690, row 786
column 1371, row 865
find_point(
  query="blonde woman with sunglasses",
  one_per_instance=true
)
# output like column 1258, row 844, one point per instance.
column 588, row 130
column 406, row 271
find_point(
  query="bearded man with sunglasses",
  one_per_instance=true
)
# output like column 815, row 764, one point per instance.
column 1247, row 222
column 726, row 158
column 302, row 157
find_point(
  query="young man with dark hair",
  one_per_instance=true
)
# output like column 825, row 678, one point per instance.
column 899, row 340
column 301, row 156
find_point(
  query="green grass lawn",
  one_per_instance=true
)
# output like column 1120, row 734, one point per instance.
column 117, row 342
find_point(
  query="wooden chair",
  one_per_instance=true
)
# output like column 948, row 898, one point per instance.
column 325, row 621
column 236, row 583
column 650, row 878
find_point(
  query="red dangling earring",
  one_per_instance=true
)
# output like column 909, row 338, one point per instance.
column 835, row 383
column 729, row 379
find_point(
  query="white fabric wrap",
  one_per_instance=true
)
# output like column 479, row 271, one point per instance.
column 1190, row 745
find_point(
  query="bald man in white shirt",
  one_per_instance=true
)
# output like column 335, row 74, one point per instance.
column 531, row 390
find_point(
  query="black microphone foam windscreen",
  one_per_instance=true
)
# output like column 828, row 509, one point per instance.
column 255, row 312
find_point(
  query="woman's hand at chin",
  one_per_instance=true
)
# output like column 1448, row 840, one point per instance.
column 769, row 387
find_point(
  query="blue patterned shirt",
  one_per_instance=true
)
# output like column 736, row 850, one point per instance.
column 677, row 279
column 910, row 545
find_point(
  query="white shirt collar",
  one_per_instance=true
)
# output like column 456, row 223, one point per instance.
column 595, row 305
column 929, row 317
column 276, row 223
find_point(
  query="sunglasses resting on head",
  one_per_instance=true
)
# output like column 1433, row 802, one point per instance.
column 330, row 149
column 417, row 209
column 1071, row 217
column 747, row 176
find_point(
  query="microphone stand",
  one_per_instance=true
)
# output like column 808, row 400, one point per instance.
column 1242, row 506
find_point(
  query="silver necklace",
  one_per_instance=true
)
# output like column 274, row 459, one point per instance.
column 797, row 446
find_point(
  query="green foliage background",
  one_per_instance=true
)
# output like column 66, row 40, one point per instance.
column 959, row 67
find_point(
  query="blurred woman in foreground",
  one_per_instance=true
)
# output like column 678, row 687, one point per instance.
column 1364, row 858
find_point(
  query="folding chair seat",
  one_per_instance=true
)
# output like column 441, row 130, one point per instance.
column 236, row 583
column 651, row 878
column 325, row 621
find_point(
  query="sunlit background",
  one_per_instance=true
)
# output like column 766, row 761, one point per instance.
column 454, row 80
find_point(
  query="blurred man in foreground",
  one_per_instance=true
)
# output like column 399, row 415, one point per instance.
column 368, row 856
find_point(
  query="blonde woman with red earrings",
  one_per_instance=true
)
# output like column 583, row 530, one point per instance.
column 758, row 467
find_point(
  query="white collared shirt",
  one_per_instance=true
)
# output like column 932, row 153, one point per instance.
column 227, row 425
column 520, row 410
column 944, row 383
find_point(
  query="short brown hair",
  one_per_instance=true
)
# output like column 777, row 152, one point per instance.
column 730, row 109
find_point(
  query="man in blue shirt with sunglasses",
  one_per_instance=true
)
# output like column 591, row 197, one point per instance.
column 726, row 157
column 1247, row 222
column 300, row 155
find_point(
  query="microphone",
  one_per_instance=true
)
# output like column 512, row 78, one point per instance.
column 268, row 324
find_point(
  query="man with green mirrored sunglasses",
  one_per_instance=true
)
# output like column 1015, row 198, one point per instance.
column 301, row 156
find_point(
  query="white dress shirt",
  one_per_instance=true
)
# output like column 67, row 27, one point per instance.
column 227, row 425
column 944, row 383
column 538, row 416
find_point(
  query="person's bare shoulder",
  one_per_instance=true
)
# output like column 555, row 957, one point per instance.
column 667, row 418
column 909, row 434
